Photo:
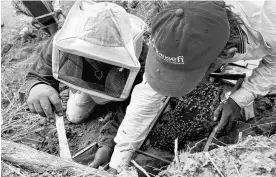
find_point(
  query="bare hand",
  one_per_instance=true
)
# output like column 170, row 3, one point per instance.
column 112, row 171
column 102, row 156
column 226, row 112
column 41, row 99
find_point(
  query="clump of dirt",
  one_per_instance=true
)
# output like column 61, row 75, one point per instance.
column 190, row 120
column 256, row 156
column 264, row 106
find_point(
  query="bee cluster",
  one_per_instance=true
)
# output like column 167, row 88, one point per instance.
column 190, row 120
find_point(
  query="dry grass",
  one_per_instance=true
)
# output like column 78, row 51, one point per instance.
column 9, row 170
column 146, row 10
column 254, row 155
column 16, row 123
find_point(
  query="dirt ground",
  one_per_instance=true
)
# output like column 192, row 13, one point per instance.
column 189, row 118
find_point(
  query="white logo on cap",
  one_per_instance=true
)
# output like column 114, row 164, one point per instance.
column 175, row 60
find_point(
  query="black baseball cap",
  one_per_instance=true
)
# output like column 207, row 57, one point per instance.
column 187, row 36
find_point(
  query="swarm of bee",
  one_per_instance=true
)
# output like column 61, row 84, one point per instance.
column 191, row 119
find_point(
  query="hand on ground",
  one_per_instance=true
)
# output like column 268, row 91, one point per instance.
column 112, row 171
column 44, row 100
column 226, row 112
column 102, row 156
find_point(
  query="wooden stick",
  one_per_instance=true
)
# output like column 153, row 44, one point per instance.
column 34, row 160
column 236, row 168
column 45, row 15
column 176, row 152
column 140, row 168
column 84, row 150
column 196, row 144
column 208, row 155
column 153, row 156
column 266, row 146
column 210, row 139
column 64, row 150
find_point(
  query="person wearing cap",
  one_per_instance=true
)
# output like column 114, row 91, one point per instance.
column 96, row 54
column 187, row 36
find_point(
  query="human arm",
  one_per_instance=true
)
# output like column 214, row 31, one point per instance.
column 40, row 87
column 143, row 107
column 106, row 143
column 260, row 83
column 21, row 12
column 41, row 69
column 259, row 19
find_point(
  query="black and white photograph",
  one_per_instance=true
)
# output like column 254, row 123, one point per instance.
column 148, row 88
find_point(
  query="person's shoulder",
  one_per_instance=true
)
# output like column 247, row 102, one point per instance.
column 253, row 9
column 50, row 40
column 48, row 46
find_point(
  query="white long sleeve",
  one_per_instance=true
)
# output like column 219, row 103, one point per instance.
column 261, row 82
column 143, row 107
column 260, row 19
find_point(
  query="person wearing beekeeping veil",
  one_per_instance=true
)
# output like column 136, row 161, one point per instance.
column 96, row 54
